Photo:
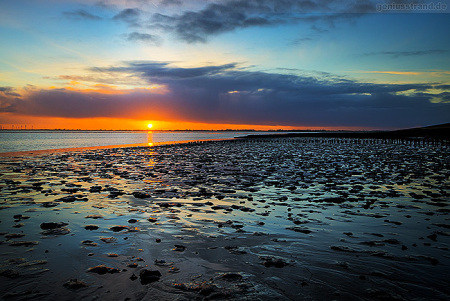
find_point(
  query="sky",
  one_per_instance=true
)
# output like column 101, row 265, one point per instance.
column 224, row 64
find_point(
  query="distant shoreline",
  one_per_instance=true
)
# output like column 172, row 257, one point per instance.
column 148, row 130
column 439, row 132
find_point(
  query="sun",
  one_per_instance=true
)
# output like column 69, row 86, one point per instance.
column 149, row 125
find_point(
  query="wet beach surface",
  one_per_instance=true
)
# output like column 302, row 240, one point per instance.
column 272, row 219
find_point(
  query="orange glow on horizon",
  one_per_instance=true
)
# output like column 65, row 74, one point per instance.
column 111, row 90
column 11, row 121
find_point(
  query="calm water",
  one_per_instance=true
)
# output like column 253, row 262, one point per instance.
column 13, row 141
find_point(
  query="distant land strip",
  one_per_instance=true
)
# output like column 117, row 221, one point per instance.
column 435, row 132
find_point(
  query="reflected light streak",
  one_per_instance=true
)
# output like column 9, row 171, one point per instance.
column 150, row 138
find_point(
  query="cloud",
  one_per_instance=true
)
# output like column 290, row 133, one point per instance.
column 225, row 16
column 81, row 14
column 429, row 73
column 8, row 91
column 397, row 54
column 144, row 37
column 170, row 2
column 231, row 94
column 130, row 16
column 395, row 72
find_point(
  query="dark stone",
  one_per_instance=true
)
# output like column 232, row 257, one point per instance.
column 299, row 229
column 23, row 243
column 20, row 217
column 103, row 269
column 67, row 199
column 74, row 284
column 235, row 250
column 9, row 273
column 118, row 228
column 141, row 195
column 95, row 188
column 89, row 243
column 433, row 237
column 49, row 204
column 147, row 276
column 179, row 248
column 14, row 235
column 232, row 277
column 269, row 261
column 91, row 227
column 52, row 225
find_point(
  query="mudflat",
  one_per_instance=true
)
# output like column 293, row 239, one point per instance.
column 274, row 219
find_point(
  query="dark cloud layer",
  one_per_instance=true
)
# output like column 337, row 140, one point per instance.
column 225, row 16
column 228, row 94
column 129, row 16
column 170, row 2
column 81, row 14
column 8, row 91
column 397, row 54
column 144, row 37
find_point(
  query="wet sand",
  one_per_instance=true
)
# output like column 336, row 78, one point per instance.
column 252, row 219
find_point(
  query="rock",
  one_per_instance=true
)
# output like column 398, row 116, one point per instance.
column 20, row 217
column 108, row 239
column 118, row 228
column 14, row 235
column 96, row 188
column 52, row 228
column 52, row 225
column 74, row 284
column 132, row 221
column 393, row 222
column 147, row 276
column 141, row 195
column 392, row 241
column 179, row 248
column 91, row 227
column 235, row 250
column 270, row 261
column 23, row 243
column 67, row 199
column 343, row 249
column 433, row 237
column 299, row 229
column 89, row 243
column 103, row 269
column 49, row 204
column 231, row 277
column 94, row 216
column 8, row 273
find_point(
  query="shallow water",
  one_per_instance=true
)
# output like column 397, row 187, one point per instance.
column 297, row 219
column 23, row 140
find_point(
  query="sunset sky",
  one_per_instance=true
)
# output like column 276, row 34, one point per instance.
column 216, row 64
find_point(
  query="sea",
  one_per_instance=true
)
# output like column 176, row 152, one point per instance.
column 33, row 140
